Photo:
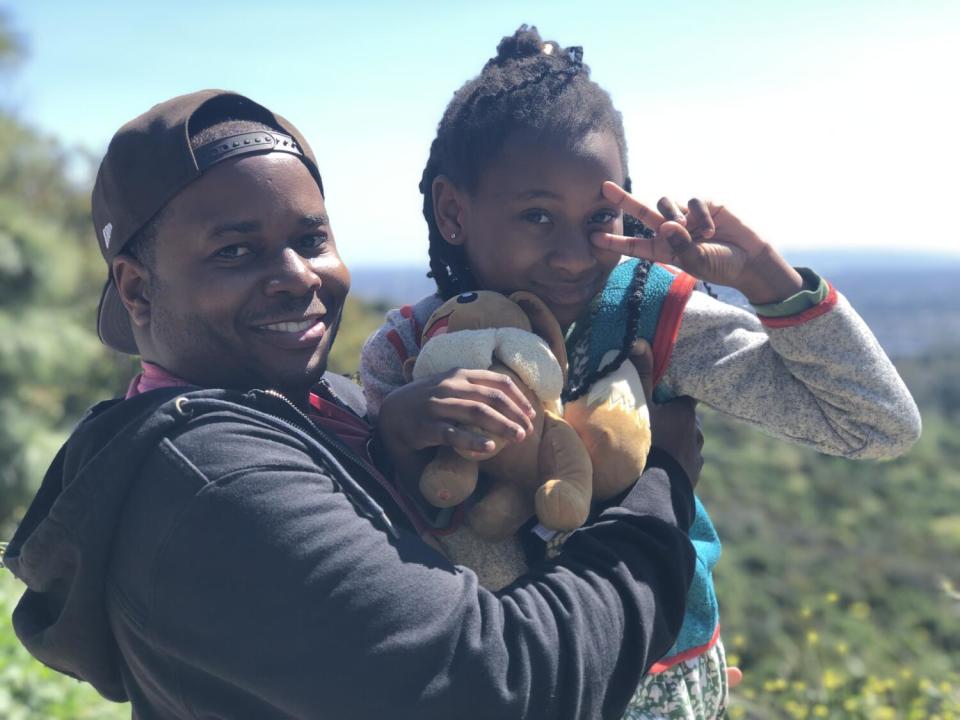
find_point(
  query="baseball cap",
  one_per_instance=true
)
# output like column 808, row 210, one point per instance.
column 150, row 160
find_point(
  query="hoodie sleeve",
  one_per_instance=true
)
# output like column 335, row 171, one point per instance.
column 271, row 582
column 818, row 377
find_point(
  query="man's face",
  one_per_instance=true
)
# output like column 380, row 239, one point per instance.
column 248, row 288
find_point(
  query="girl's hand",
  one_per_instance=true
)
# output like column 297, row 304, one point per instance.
column 431, row 412
column 707, row 241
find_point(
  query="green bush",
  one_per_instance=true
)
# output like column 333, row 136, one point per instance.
column 29, row 690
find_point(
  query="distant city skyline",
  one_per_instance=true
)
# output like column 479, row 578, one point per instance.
column 824, row 125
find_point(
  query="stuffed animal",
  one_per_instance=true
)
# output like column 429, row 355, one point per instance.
column 549, row 473
column 613, row 421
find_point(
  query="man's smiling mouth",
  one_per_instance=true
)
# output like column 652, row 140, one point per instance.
column 289, row 326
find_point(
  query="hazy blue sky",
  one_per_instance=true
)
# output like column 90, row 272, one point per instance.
column 824, row 124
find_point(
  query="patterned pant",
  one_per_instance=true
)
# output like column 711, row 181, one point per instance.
column 694, row 689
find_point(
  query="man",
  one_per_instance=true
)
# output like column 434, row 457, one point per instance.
column 220, row 544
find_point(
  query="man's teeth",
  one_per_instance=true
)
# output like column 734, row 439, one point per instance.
column 289, row 326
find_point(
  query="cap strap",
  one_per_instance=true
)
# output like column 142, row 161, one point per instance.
column 249, row 142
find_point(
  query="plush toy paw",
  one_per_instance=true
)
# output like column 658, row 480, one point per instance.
column 449, row 479
column 561, row 505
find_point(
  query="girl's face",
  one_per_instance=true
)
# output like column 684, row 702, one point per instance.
column 528, row 225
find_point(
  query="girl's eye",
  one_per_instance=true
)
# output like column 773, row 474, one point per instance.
column 603, row 217
column 232, row 252
column 537, row 217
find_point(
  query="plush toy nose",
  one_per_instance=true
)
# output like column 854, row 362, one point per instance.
column 467, row 297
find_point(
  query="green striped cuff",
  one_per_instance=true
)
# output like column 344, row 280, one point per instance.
column 815, row 291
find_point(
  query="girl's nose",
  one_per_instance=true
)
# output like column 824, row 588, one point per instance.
column 573, row 253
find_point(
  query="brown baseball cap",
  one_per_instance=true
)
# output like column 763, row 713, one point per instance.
column 150, row 160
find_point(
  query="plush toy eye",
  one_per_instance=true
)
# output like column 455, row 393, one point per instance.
column 467, row 298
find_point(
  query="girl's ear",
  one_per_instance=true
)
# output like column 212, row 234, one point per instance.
column 448, row 209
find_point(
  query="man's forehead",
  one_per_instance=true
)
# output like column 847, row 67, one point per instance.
column 239, row 190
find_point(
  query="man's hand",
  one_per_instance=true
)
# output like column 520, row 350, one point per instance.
column 707, row 241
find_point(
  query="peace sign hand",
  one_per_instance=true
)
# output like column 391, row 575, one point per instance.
column 707, row 241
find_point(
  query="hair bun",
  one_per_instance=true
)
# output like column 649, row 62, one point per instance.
column 525, row 42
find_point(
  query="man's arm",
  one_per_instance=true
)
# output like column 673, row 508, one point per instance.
column 272, row 582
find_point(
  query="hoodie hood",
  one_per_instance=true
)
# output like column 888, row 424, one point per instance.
column 63, row 546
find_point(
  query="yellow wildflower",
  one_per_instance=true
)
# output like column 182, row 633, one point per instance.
column 832, row 679
column 860, row 610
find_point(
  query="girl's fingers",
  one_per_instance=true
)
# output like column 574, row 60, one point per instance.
column 671, row 211
column 699, row 219
column 629, row 204
column 677, row 239
column 638, row 247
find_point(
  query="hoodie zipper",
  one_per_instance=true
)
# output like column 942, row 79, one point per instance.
column 371, row 505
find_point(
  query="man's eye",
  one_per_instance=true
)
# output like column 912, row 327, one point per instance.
column 538, row 217
column 603, row 217
column 231, row 252
column 314, row 241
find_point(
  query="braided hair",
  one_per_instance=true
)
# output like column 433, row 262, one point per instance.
column 530, row 85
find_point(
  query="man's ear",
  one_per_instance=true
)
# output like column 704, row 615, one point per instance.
column 132, row 279
column 449, row 209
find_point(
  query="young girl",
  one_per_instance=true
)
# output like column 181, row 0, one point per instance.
column 526, row 188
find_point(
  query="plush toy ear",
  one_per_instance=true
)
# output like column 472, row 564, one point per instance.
column 544, row 324
column 408, row 368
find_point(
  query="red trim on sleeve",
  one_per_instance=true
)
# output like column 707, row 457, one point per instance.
column 667, row 663
column 406, row 312
column 394, row 339
column 668, row 325
column 821, row 308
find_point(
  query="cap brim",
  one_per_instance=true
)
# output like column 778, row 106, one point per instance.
column 113, row 322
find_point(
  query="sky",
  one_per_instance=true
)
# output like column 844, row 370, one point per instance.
column 821, row 124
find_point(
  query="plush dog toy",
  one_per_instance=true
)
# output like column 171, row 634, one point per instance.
column 613, row 421
column 549, row 473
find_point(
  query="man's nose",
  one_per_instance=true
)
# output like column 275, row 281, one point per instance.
column 293, row 274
